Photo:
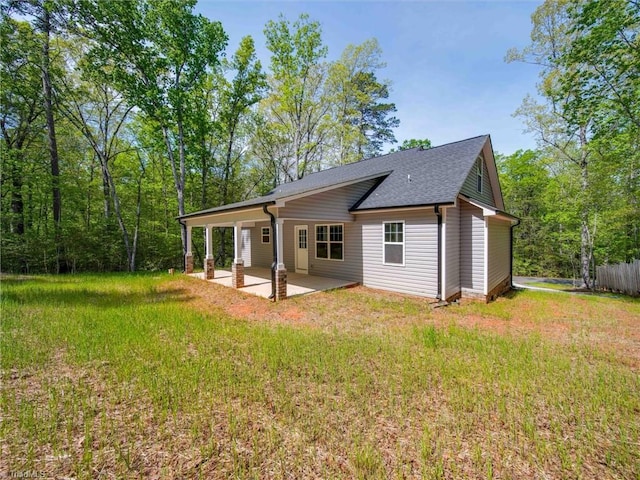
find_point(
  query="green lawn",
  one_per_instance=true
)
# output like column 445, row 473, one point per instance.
column 132, row 376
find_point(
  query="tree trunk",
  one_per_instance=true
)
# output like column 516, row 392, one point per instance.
column 17, row 203
column 132, row 259
column 51, row 131
column 106, row 194
column 178, row 175
column 585, row 237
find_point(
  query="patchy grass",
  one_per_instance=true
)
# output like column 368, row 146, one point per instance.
column 125, row 376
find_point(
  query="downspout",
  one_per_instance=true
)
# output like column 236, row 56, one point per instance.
column 274, row 239
column 438, row 213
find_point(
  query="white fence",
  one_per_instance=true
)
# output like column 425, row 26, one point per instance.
column 623, row 277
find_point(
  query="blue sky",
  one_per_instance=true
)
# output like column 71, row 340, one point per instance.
column 445, row 59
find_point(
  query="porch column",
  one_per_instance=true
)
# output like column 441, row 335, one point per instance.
column 281, row 271
column 188, row 258
column 237, row 268
column 209, row 267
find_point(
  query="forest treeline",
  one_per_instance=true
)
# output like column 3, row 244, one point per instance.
column 119, row 116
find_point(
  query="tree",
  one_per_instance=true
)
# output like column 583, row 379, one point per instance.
column 553, row 125
column 236, row 98
column 158, row 55
column 413, row 143
column 296, row 109
column 603, row 62
column 245, row 90
column 21, row 105
column 363, row 122
column 46, row 16
column 100, row 113
column 525, row 180
column 587, row 125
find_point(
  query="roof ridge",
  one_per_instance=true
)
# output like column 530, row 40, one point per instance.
column 458, row 141
column 387, row 154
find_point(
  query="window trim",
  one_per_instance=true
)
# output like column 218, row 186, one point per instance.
column 262, row 235
column 479, row 174
column 403, row 243
column 328, row 241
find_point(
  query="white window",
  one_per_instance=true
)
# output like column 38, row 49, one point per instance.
column 479, row 173
column 393, row 253
column 266, row 234
column 330, row 242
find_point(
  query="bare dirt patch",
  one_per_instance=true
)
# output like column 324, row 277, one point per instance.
column 611, row 326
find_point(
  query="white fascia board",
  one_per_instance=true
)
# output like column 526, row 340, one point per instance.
column 488, row 211
column 227, row 219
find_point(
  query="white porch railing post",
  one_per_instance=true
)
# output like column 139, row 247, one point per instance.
column 188, row 258
column 280, row 243
column 209, row 263
column 237, row 242
column 209, row 242
column 237, row 269
column 281, row 271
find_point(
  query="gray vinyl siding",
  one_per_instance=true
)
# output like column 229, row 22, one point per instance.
column 348, row 269
column 261, row 254
column 452, row 254
column 419, row 275
column 330, row 205
column 289, row 245
column 471, row 247
column 470, row 187
column 499, row 249
column 246, row 247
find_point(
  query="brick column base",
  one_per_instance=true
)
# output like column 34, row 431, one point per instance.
column 281, row 284
column 237, row 275
column 209, row 269
column 188, row 263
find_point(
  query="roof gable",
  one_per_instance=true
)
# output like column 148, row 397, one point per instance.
column 426, row 177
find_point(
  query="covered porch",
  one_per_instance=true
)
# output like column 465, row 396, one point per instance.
column 266, row 236
column 257, row 281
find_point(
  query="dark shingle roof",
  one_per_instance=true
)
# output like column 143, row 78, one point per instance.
column 412, row 177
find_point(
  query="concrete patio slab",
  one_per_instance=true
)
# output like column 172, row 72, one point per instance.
column 257, row 281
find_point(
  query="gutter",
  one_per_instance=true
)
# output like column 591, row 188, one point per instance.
column 438, row 213
column 400, row 207
column 222, row 210
column 274, row 239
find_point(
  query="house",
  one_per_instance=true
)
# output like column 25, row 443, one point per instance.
column 427, row 222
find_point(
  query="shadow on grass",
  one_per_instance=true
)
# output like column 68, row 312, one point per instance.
column 514, row 293
column 84, row 297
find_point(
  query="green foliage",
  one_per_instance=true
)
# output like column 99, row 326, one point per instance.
column 414, row 143
column 590, row 67
column 363, row 122
column 151, row 121
column 320, row 114
column 604, row 64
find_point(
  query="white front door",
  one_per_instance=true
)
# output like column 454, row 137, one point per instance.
column 302, row 248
